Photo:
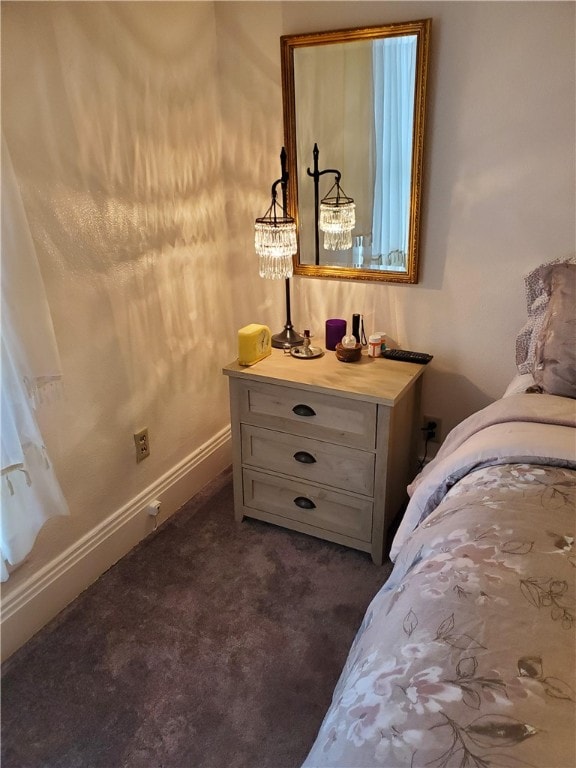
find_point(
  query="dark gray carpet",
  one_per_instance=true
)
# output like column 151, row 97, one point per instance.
column 212, row 644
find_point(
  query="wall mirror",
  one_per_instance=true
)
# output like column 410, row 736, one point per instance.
column 359, row 95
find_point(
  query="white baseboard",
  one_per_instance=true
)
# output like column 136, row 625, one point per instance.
column 41, row 597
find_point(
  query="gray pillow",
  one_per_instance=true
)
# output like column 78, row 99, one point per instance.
column 537, row 297
column 555, row 353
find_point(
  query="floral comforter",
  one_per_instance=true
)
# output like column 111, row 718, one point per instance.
column 466, row 657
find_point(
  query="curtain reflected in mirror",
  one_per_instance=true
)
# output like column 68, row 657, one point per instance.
column 360, row 95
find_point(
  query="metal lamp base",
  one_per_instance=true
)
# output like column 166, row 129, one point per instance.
column 287, row 338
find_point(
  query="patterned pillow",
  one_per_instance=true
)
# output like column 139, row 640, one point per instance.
column 555, row 354
column 537, row 298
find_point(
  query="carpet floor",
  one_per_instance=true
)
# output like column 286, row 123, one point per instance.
column 213, row 644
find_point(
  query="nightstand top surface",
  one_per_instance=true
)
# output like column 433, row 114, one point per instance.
column 371, row 378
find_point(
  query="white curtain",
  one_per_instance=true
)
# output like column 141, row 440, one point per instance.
column 394, row 64
column 30, row 375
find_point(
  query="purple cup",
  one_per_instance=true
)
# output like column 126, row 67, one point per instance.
column 335, row 331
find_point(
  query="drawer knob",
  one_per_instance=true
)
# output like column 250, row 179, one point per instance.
column 303, row 410
column 304, row 503
column 304, row 457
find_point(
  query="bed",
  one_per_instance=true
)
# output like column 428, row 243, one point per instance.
column 466, row 656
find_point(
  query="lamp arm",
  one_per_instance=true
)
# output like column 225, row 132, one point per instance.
column 283, row 180
column 316, row 173
column 274, row 194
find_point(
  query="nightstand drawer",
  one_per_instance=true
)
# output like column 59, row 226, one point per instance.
column 305, row 503
column 313, row 414
column 338, row 466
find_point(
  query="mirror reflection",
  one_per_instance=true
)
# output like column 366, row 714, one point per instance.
column 359, row 95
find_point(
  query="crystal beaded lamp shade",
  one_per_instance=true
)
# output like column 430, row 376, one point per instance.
column 275, row 244
column 337, row 220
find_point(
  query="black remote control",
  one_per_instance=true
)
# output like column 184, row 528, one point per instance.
column 406, row 356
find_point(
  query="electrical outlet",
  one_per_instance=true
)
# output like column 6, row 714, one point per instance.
column 153, row 508
column 142, row 444
column 432, row 429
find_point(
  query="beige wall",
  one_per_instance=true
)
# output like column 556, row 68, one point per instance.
column 146, row 136
column 499, row 188
column 112, row 118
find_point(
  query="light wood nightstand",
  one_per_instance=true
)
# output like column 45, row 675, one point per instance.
column 324, row 447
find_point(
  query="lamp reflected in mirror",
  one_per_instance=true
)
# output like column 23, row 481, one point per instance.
column 334, row 215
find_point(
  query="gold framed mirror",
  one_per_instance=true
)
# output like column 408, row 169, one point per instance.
column 359, row 96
